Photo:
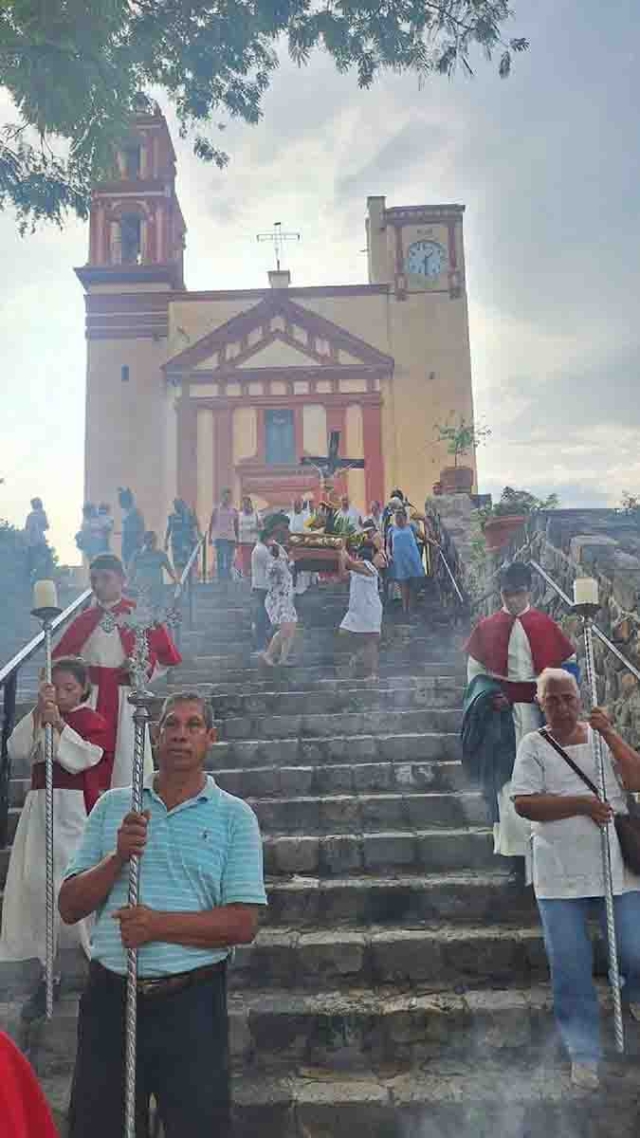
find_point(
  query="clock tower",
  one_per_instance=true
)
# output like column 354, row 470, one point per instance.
column 417, row 252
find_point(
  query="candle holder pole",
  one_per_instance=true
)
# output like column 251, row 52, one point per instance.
column 587, row 613
column 139, row 698
column 47, row 616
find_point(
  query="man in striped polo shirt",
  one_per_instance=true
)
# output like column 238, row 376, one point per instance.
column 201, row 885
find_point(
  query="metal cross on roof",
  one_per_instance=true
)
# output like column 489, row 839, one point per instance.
column 277, row 237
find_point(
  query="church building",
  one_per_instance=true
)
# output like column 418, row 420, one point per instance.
column 192, row 392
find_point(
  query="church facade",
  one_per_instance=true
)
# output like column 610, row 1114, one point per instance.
column 192, row 392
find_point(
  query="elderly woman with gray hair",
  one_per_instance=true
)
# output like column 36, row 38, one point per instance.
column 567, row 864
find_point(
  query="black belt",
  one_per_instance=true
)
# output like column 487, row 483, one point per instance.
column 160, row 985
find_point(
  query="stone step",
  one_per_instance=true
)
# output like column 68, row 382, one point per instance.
column 438, row 1101
column 461, row 956
column 356, row 813
column 280, row 1030
column 422, row 760
column 341, row 723
column 486, row 896
column 431, row 693
column 337, row 749
column 285, row 680
column 382, row 852
column 252, row 678
column 359, row 778
column 363, row 813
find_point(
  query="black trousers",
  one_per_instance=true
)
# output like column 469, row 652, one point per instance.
column 182, row 1060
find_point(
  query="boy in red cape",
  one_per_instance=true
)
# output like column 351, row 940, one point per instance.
column 101, row 637
column 512, row 647
column 24, row 1112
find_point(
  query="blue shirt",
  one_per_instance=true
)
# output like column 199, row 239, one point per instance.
column 204, row 853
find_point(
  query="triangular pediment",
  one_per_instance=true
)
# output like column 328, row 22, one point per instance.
column 277, row 333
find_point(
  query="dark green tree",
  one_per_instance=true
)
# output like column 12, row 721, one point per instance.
column 75, row 70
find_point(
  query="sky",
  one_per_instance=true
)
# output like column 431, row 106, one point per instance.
column 548, row 166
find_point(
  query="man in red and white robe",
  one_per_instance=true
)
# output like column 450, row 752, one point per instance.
column 514, row 646
column 101, row 637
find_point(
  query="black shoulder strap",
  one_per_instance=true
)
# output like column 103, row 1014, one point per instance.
column 574, row 766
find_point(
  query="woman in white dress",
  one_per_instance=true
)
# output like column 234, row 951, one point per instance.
column 363, row 619
column 280, row 607
column 79, row 740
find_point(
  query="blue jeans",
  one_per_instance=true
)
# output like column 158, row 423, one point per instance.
column 225, row 552
column 570, row 953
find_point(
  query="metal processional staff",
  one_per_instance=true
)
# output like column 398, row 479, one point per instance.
column 139, row 698
column 46, row 609
column 586, row 603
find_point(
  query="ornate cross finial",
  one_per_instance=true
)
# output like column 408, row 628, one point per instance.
column 277, row 237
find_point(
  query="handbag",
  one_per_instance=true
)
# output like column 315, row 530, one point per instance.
column 627, row 825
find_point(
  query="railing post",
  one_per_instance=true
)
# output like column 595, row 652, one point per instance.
column 8, row 723
column 190, row 597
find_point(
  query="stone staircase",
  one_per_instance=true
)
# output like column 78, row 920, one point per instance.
column 398, row 985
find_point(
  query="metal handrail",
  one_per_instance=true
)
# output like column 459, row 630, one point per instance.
column 198, row 549
column 30, row 649
column 452, row 578
column 596, row 631
column 9, row 684
column 185, row 584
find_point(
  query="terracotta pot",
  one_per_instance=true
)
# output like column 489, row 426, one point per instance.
column 499, row 531
column 456, row 480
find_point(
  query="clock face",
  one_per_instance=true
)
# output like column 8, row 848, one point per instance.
column 425, row 259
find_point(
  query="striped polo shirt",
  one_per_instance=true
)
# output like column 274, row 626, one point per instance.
column 204, row 853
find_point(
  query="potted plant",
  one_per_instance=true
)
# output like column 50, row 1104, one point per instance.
column 461, row 438
column 500, row 521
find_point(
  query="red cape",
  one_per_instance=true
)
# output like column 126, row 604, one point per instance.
column 93, row 728
column 489, row 641
column 162, row 649
column 23, row 1108
column 108, row 681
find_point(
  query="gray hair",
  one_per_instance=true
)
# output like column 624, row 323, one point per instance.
column 188, row 696
column 554, row 674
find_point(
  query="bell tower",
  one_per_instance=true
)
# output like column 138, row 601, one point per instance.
column 137, row 231
column 135, row 268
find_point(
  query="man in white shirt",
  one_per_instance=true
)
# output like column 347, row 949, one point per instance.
column 349, row 513
column 566, row 818
column 260, row 560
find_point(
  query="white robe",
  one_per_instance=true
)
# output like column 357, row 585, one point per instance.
column 512, row 834
column 104, row 650
column 24, row 905
column 297, row 524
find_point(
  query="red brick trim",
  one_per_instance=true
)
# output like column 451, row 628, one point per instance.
column 337, row 400
column 288, row 375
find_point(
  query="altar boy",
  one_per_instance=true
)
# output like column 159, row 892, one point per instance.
column 101, row 636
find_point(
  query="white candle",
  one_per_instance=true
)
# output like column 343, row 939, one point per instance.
column 44, row 595
column 585, row 591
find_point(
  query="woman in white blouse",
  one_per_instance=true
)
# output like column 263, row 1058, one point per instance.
column 567, row 863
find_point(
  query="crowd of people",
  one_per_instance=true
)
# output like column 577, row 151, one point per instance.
column 525, row 741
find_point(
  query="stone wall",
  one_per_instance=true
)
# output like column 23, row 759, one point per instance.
column 604, row 544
